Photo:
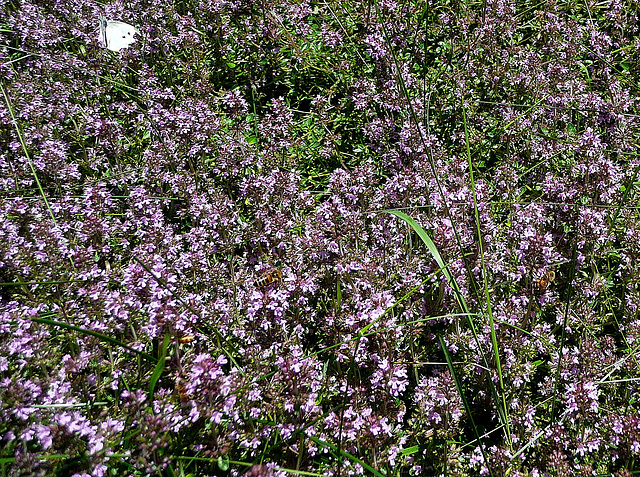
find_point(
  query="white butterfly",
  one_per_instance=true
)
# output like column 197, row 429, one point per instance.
column 116, row 35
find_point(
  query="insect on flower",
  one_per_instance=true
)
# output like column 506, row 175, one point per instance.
column 268, row 278
column 543, row 283
column 186, row 339
column 181, row 390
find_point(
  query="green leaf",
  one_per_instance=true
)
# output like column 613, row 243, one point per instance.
column 160, row 365
column 223, row 463
column 434, row 252
column 410, row 450
column 347, row 455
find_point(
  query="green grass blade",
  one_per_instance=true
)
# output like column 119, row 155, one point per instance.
column 435, row 254
column 100, row 336
column 460, row 389
column 157, row 372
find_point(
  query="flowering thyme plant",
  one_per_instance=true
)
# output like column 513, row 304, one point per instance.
column 198, row 273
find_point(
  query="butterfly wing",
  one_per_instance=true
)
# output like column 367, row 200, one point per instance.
column 117, row 35
column 103, row 31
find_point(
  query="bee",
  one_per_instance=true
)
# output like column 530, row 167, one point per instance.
column 186, row 339
column 181, row 389
column 268, row 278
column 543, row 283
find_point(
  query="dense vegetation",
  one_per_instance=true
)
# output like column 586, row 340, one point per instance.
column 320, row 238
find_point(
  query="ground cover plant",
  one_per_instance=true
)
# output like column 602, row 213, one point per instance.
column 273, row 238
